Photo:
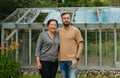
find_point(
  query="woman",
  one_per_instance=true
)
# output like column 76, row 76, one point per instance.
column 47, row 51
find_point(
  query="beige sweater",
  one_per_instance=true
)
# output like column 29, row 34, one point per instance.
column 70, row 42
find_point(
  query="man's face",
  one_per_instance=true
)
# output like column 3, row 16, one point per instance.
column 66, row 19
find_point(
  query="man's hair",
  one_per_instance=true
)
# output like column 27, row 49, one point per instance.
column 64, row 13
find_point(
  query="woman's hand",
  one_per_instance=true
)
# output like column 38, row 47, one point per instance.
column 38, row 65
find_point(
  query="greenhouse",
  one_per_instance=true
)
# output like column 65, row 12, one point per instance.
column 100, row 28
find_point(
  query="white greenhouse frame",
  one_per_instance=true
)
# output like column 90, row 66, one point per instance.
column 87, row 19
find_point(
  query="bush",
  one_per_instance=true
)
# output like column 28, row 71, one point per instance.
column 9, row 67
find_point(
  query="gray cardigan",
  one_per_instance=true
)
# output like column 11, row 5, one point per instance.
column 47, row 48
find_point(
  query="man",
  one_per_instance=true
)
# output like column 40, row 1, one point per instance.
column 71, row 45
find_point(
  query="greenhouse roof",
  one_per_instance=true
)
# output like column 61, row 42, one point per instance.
column 80, row 15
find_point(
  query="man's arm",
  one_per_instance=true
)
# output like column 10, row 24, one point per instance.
column 80, row 43
column 80, row 49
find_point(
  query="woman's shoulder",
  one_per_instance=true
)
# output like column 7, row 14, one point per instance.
column 57, row 32
column 42, row 33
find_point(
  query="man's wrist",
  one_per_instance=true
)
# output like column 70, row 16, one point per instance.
column 77, row 59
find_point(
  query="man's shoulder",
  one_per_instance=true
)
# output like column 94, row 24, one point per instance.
column 75, row 28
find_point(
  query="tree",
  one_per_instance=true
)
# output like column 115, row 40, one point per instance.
column 8, row 6
column 115, row 2
column 84, row 3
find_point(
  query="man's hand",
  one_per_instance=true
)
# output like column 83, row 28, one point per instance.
column 74, row 64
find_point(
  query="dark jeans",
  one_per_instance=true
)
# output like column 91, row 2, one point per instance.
column 49, row 69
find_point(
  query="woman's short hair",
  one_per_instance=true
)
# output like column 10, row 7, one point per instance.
column 52, row 20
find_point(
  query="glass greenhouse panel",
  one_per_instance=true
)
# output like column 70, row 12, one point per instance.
column 41, row 17
column 86, row 16
column 118, row 47
column 115, row 14
column 91, row 17
column 108, row 48
column 60, row 21
column 79, row 17
column 24, row 47
column 29, row 16
column 93, row 48
column 105, row 16
column 52, row 15
column 15, row 16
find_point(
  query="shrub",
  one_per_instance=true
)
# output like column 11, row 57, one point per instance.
column 9, row 67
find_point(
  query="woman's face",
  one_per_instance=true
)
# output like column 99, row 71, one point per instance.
column 52, row 27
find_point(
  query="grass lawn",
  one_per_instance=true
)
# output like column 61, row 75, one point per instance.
column 37, row 76
column 59, row 76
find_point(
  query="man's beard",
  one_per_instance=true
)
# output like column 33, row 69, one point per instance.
column 66, row 24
